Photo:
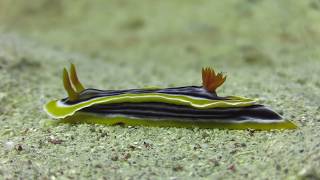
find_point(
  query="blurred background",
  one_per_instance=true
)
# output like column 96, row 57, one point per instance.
column 232, row 30
column 244, row 38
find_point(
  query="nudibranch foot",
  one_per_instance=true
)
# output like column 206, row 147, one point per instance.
column 188, row 106
column 80, row 117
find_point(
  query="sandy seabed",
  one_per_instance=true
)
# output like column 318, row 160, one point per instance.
column 268, row 49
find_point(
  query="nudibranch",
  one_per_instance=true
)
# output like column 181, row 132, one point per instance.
column 188, row 106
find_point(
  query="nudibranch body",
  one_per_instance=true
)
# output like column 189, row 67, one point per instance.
column 189, row 106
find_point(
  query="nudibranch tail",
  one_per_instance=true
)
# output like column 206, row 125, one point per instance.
column 210, row 80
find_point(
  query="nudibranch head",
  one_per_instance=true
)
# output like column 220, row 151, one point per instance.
column 188, row 106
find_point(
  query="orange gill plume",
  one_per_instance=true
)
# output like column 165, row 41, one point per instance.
column 210, row 80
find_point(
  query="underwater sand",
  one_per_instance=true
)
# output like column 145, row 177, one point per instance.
column 269, row 50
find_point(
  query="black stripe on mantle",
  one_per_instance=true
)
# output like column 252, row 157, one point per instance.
column 192, row 91
column 165, row 111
